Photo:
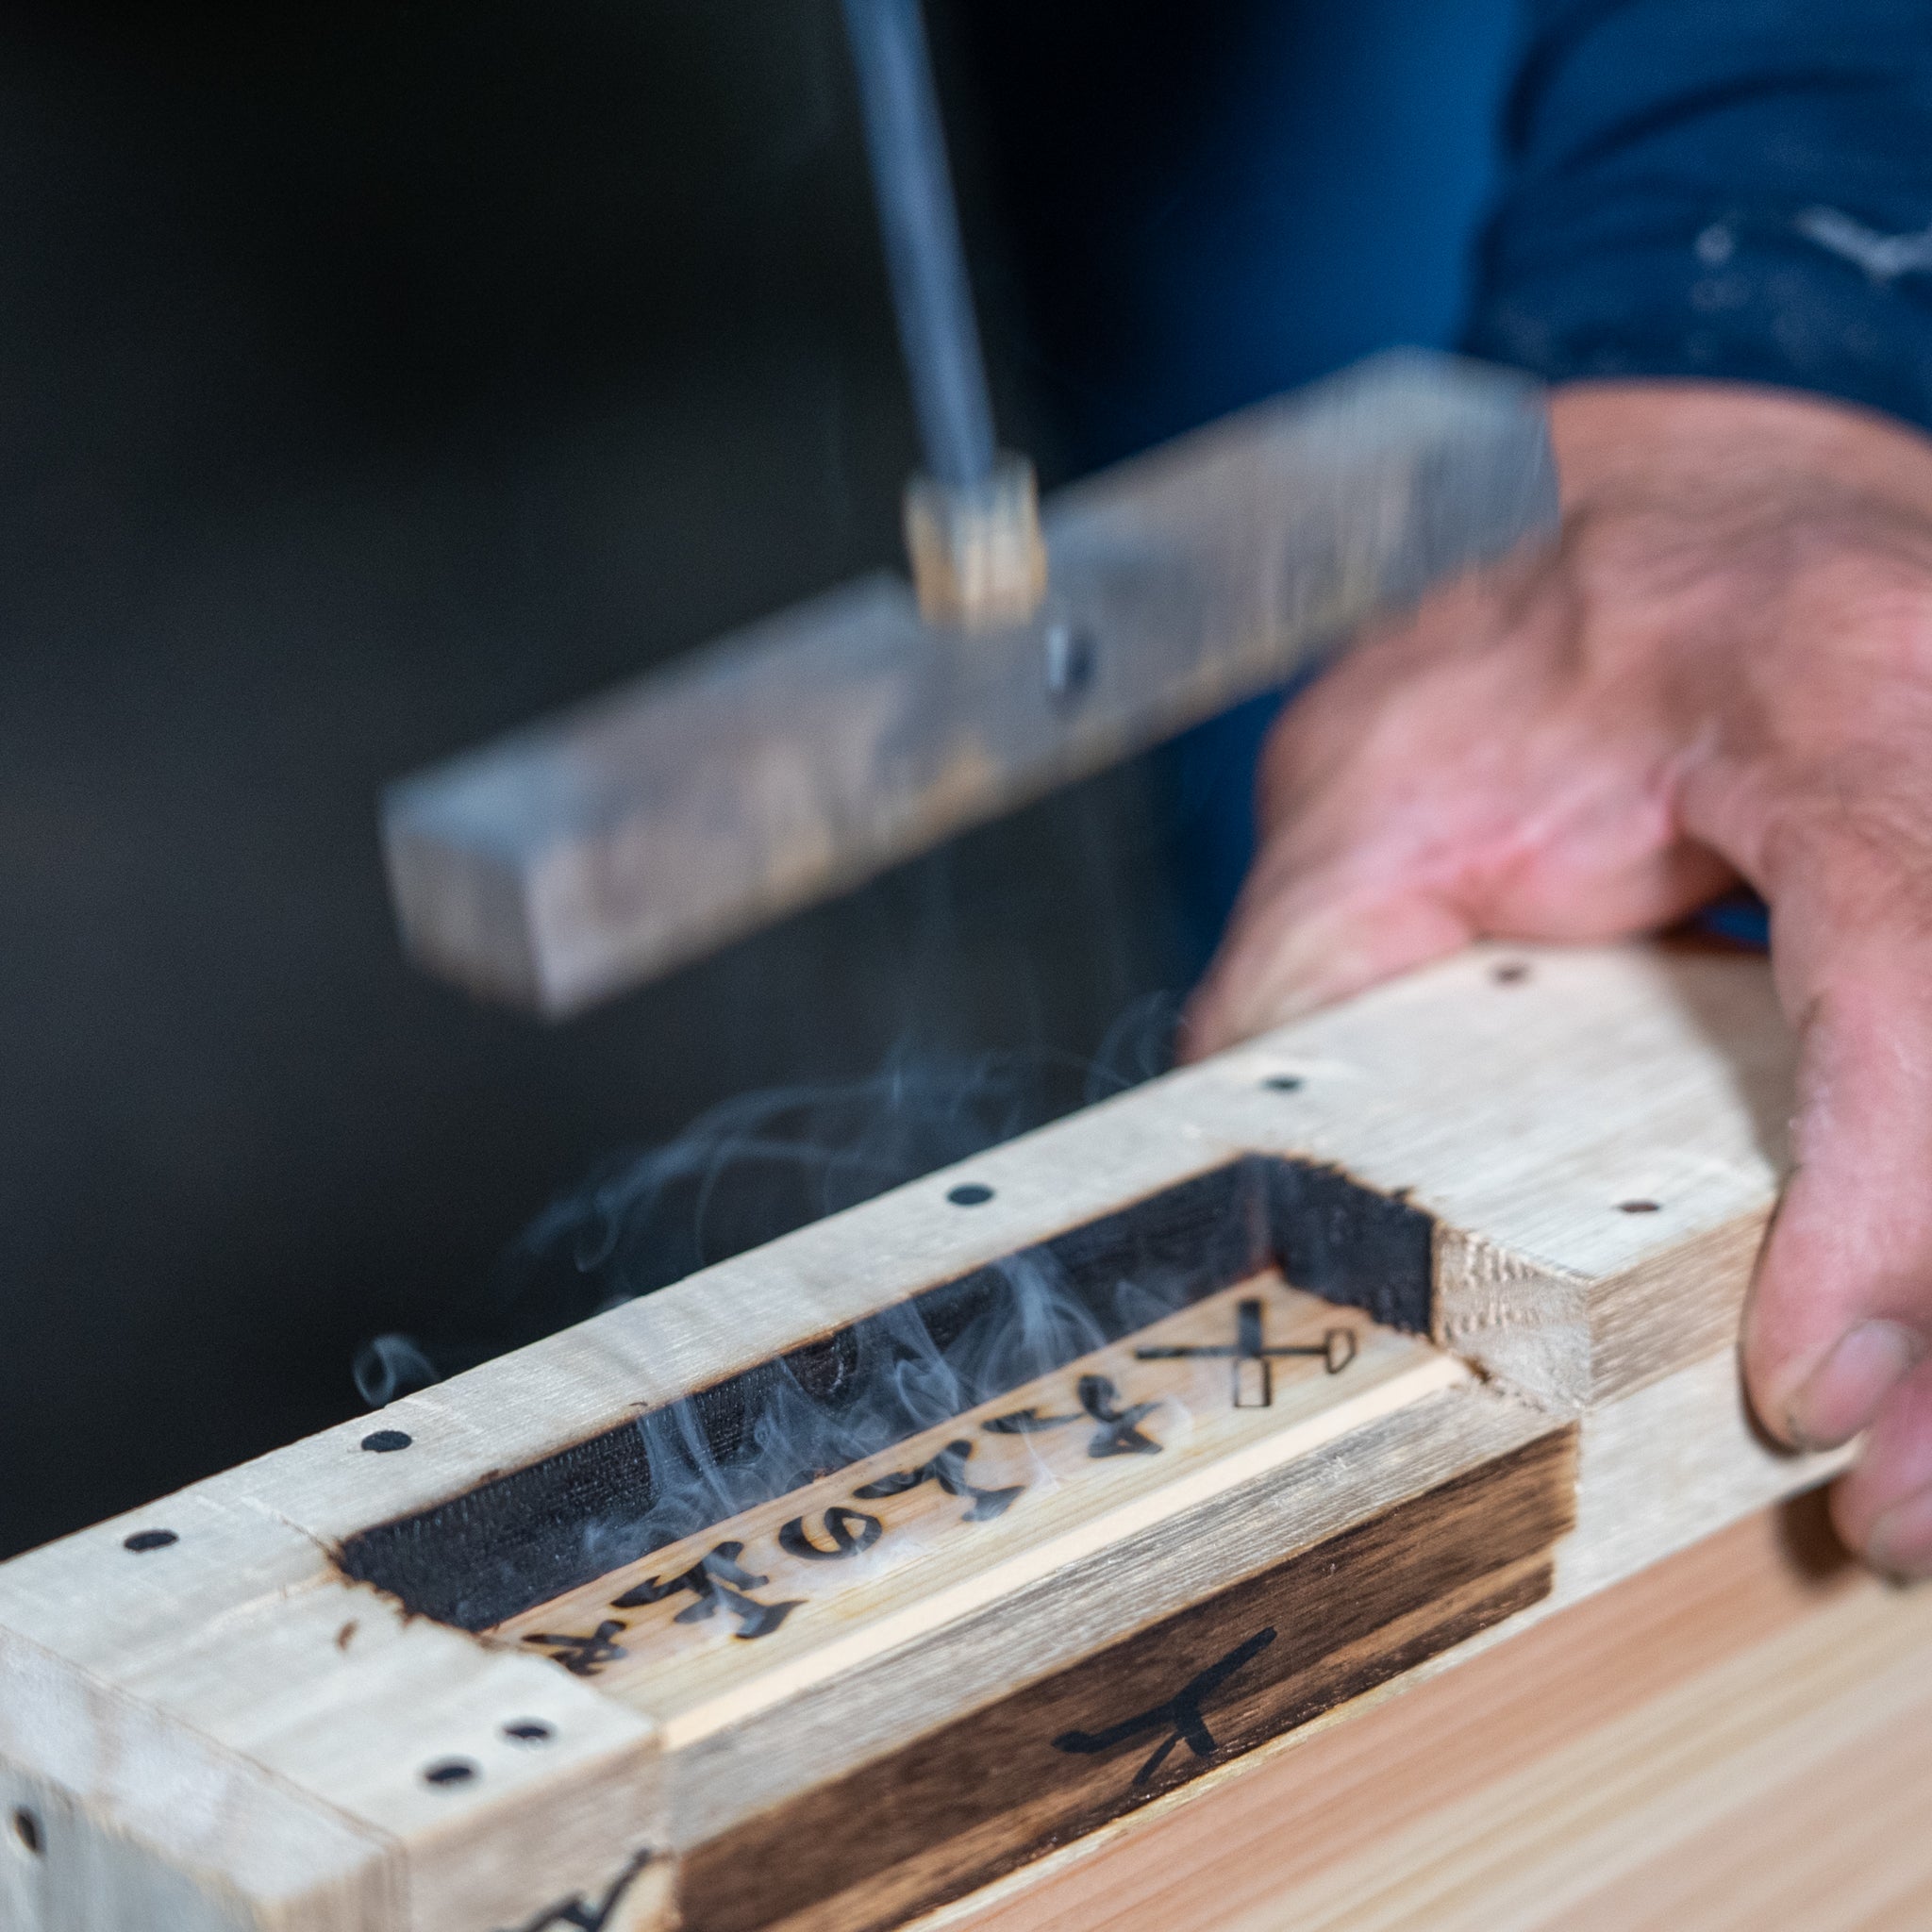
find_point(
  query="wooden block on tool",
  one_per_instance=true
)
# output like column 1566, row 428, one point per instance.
column 605, row 845
column 850, row 1575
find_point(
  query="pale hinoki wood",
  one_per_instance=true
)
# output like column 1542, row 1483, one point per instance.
column 1735, row 1738
column 1552, row 1167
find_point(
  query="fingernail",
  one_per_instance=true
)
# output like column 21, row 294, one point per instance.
column 1843, row 1393
column 1899, row 1543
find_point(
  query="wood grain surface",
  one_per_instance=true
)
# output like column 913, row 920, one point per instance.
column 1543, row 1172
column 972, row 1509
column 1141, row 1716
column 1733, row 1740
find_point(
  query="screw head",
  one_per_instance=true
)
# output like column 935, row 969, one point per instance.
column 1071, row 654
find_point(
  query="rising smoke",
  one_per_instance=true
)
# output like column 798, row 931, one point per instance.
column 755, row 1167
column 751, row 1170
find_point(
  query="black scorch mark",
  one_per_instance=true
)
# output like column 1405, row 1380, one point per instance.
column 1180, row 1716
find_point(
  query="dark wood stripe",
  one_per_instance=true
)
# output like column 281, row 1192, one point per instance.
column 953, row 1810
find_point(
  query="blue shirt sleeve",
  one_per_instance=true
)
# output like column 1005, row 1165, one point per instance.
column 1729, row 188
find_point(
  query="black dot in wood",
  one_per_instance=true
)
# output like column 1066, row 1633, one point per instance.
column 26, row 1829
column 1284, row 1083
column 449, row 1771
column 529, row 1730
column 970, row 1194
column 387, row 1441
column 149, row 1540
column 1511, row 972
column 1636, row 1206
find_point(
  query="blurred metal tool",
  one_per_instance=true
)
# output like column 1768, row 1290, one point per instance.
column 595, row 850
column 972, row 518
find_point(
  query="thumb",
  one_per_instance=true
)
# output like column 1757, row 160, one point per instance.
column 1842, row 1307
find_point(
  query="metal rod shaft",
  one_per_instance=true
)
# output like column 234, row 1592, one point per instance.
column 920, row 225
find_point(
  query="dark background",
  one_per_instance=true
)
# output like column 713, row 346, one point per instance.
column 372, row 379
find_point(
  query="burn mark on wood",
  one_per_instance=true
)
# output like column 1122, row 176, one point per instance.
column 1119, row 1434
column 1181, row 1716
column 1253, row 1358
column 717, row 1580
column 583, row 1656
column 1026, row 1421
column 951, row 1811
column 1349, row 1245
column 538, row 1532
column 576, row 1912
column 948, row 1470
column 852, row 1533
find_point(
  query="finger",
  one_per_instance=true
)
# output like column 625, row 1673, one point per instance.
column 1295, row 946
column 1841, row 1310
column 1884, row 1507
column 1402, row 824
column 1360, row 790
column 1301, row 943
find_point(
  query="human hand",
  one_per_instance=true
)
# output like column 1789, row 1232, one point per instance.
column 1724, row 670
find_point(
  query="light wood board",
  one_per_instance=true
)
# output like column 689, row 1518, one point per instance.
column 1738, row 1737
column 366, row 1684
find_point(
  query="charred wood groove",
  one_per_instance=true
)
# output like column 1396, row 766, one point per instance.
column 538, row 1532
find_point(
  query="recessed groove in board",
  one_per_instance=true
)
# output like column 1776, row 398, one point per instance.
column 534, row 1533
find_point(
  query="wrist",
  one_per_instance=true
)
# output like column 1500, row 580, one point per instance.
column 1642, row 440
